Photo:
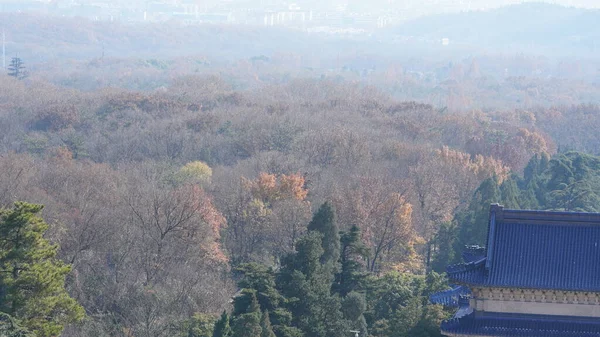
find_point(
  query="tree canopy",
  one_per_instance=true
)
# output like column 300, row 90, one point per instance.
column 32, row 281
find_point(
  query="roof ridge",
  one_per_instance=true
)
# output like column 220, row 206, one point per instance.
column 462, row 267
column 506, row 215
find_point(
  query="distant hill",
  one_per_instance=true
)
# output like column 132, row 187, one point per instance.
column 524, row 27
column 39, row 38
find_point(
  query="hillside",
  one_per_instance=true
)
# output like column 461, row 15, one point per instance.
column 46, row 38
column 525, row 27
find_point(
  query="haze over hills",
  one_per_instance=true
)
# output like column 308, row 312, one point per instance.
column 536, row 27
column 79, row 49
column 533, row 28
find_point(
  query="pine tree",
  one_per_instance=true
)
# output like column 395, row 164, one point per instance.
column 474, row 221
column 247, row 315
column 353, row 307
column 199, row 325
column 352, row 274
column 10, row 328
column 324, row 222
column 510, row 193
column 222, row 328
column 16, row 69
column 261, row 279
column 528, row 198
column 32, row 285
column 444, row 241
column 282, row 324
column 265, row 324
column 307, row 284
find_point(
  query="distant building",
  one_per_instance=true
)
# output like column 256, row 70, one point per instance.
column 22, row 5
column 538, row 276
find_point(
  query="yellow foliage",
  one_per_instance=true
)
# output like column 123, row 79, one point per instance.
column 256, row 209
column 481, row 166
column 412, row 261
column 195, row 172
column 534, row 141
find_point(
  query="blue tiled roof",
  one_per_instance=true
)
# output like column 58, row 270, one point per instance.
column 516, row 325
column 473, row 253
column 450, row 298
column 535, row 249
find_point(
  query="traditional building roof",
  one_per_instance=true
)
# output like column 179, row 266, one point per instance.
column 473, row 253
column 536, row 249
column 516, row 325
column 452, row 297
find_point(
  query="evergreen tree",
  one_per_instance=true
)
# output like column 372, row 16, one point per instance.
column 509, row 192
column 528, row 198
column 445, row 240
column 307, row 284
column 32, row 285
column 16, row 69
column 282, row 324
column 353, row 308
column 534, row 167
column 10, row 328
column 247, row 315
column 474, row 221
column 261, row 279
column 222, row 328
column 572, row 183
column 324, row 222
column 199, row 325
column 265, row 324
column 352, row 274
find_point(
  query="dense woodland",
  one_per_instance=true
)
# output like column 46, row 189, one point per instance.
column 263, row 202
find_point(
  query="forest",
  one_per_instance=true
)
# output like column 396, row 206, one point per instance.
column 143, row 197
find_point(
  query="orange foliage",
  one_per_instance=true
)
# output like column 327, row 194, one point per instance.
column 269, row 187
column 385, row 218
column 199, row 203
column 293, row 185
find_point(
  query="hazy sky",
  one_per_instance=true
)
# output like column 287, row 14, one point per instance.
column 576, row 3
column 410, row 8
column 473, row 3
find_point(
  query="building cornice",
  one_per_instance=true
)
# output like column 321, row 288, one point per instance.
column 536, row 295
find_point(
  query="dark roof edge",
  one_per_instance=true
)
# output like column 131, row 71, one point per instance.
column 514, row 215
column 463, row 267
column 495, row 210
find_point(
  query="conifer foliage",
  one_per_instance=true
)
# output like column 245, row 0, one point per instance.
column 568, row 182
column 323, row 289
column 265, row 325
column 10, row 328
column 324, row 223
column 248, row 315
column 222, row 327
column 32, row 280
column 16, row 68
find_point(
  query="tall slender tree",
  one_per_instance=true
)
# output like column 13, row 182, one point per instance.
column 265, row 324
column 222, row 327
column 324, row 222
column 474, row 221
column 352, row 273
column 248, row 315
column 307, row 283
column 16, row 68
